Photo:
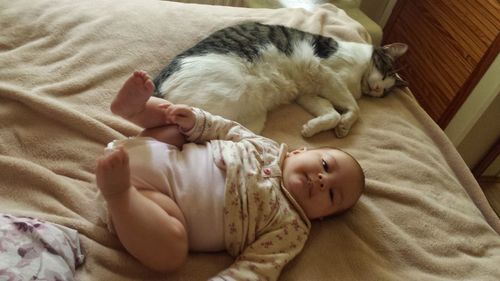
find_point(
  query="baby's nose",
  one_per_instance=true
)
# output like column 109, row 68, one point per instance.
column 320, row 181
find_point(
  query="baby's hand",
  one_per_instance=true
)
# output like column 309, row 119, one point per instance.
column 180, row 115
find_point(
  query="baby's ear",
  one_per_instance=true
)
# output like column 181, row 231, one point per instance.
column 299, row 150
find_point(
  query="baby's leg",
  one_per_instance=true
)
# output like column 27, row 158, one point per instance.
column 148, row 223
column 168, row 134
column 135, row 103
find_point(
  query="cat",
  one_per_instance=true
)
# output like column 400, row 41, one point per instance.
column 243, row 71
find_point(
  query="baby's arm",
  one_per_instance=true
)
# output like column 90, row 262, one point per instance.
column 180, row 115
column 213, row 127
column 265, row 258
column 175, row 119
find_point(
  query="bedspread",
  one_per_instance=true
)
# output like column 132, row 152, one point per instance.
column 423, row 216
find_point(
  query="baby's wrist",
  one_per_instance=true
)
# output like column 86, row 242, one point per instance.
column 188, row 130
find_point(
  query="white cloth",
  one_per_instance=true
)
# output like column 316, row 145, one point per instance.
column 33, row 249
column 188, row 176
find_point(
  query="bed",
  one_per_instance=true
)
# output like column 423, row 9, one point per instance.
column 423, row 216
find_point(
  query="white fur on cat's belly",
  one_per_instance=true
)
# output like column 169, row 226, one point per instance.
column 232, row 87
column 209, row 82
column 243, row 91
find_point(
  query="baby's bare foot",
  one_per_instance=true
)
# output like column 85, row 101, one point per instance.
column 113, row 173
column 132, row 97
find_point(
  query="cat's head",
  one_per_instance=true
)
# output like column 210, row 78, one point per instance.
column 381, row 77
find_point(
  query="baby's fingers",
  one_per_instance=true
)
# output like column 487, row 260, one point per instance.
column 170, row 112
column 184, row 117
column 181, row 111
column 165, row 105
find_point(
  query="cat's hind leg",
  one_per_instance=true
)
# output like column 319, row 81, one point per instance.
column 255, row 123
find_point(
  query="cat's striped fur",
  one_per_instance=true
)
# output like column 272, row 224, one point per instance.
column 243, row 71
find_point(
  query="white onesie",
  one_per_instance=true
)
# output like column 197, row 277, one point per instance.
column 188, row 176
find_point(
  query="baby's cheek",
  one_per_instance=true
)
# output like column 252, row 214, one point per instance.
column 296, row 183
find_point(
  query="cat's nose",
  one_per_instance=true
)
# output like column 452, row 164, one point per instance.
column 376, row 91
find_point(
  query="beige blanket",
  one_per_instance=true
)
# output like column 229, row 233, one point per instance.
column 423, row 216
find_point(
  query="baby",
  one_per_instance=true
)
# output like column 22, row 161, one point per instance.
column 196, row 181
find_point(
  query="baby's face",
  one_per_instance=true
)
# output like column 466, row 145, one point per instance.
column 323, row 181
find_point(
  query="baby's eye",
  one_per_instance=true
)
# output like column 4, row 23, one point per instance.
column 325, row 165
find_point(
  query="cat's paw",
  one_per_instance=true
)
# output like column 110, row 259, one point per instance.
column 341, row 131
column 343, row 128
column 320, row 124
column 308, row 131
column 345, row 124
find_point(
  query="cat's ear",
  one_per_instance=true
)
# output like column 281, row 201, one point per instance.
column 395, row 50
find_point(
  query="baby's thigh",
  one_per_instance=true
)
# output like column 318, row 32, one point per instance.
column 168, row 134
column 166, row 203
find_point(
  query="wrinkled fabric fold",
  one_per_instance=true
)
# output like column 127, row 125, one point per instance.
column 423, row 216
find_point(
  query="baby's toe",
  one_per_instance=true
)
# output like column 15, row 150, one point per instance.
column 118, row 157
column 149, row 85
column 140, row 73
column 114, row 159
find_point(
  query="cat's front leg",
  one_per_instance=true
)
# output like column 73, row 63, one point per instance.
column 327, row 117
column 342, row 99
column 321, row 123
column 347, row 119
